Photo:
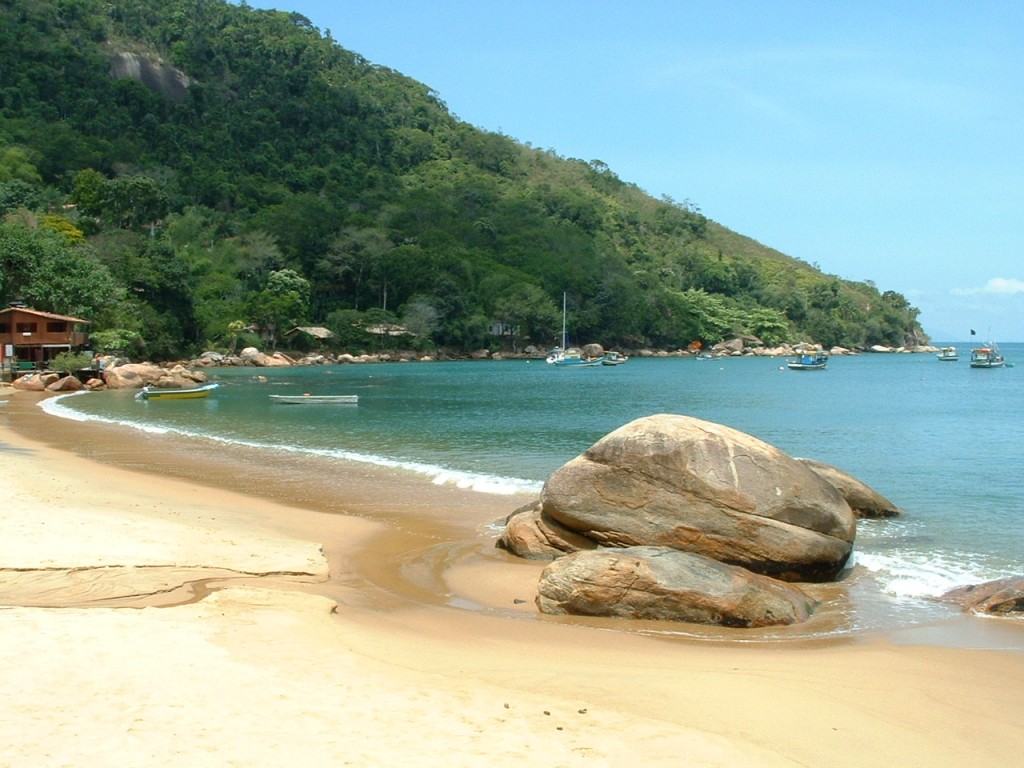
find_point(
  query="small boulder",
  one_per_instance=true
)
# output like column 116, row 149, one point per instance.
column 1002, row 597
column 34, row 382
column 666, row 584
column 252, row 356
column 531, row 535
column 65, row 384
column 865, row 501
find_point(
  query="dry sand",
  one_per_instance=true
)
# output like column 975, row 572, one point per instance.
column 152, row 621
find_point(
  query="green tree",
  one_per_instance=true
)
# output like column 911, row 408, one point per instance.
column 116, row 341
column 88, row 192
column 15, row 165
column 420, row 318
column 526, row 312
column 43, row 269
column 133, row 201
column 235, row 328
column 283, row 302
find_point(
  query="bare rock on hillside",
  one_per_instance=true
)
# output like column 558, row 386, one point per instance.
column 160, row 78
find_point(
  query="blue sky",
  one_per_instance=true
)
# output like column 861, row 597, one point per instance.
column 879, row 141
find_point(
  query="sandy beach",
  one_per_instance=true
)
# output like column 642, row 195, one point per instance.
column 161, row 609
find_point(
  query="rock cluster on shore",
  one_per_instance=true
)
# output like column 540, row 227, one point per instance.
column 613, row 519
column 118, row 373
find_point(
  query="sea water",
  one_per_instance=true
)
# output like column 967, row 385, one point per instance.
column 939, row 439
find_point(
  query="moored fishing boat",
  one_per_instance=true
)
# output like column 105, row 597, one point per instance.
column 808, row 362
column 151, row 393
column 614, row 358
column 948, row 354
column 987, row 357
column 312, row 399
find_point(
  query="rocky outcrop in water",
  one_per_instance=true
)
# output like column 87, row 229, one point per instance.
column 1002, row 597
column 671, row 517
column 679, row 482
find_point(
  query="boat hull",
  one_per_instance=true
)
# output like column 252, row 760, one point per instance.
column 147, row 393
column 314, row 399
column 573, row 358
column 986, row 357
column 808, row 363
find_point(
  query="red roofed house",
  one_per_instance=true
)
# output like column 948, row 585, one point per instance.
column 28, row 336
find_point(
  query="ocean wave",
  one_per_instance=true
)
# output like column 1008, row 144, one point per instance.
column 911, row 574
column 475, row 481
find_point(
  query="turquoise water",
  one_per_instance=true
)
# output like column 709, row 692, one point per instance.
column 941, row 440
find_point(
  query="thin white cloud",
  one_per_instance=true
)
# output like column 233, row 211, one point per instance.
column 1004, row 286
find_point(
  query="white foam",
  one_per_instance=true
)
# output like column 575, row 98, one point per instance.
column 474, row 481
column 920, row 574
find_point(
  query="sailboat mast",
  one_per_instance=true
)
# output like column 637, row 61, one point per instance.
column 563, row 322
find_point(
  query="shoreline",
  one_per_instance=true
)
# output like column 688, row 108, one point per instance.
column 375, row 630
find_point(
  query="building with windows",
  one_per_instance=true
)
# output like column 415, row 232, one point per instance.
column 30, row 338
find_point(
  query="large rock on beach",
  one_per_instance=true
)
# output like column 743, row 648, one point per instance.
column 65, row 384
column 138, row 375
column 252, row 356
column 680, row 482
column 35, row 382
column 1002, row 597
column 132, row 375
column 666, row 584
column 865, row 501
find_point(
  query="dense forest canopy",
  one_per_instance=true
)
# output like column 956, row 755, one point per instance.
column 184, row 172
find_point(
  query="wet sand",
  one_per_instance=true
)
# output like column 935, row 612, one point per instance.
column 179, row 603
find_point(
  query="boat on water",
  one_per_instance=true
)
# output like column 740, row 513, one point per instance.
column 152, row 393
column 614, row 358
column 987, row 357
column 808, row 362
column 313, row 399
column 949, row 354
column 571, row 356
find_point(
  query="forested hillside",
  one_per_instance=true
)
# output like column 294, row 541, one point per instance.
column 186, row 172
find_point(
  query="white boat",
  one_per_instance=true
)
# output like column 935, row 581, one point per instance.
column 614, row 358
column 310, row 399
column 987, row 357
column 948, row 354
column 808, row 362
column 571, row 357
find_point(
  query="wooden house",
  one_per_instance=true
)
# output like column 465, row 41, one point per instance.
column 30, row 338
